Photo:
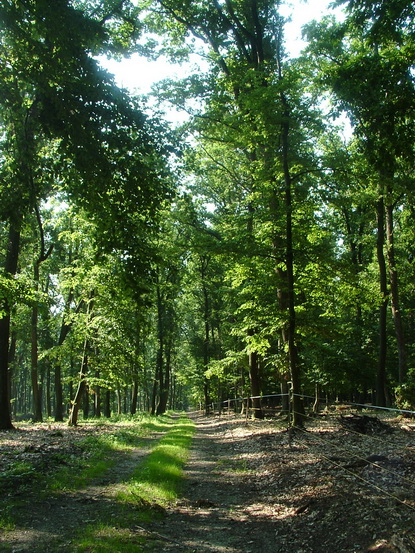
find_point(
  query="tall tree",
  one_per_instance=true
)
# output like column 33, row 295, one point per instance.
column 252, row 96
column 53, row 88
column 366, row 63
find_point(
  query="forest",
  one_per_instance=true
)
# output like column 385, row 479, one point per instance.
column 256, row 246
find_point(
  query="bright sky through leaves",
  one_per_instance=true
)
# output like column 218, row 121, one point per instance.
column 137, row 74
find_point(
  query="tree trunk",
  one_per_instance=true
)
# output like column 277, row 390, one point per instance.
column 48, row 391
column 394, row 287
column 206, row 395
column 160, row 353
column 164, row 393
column 12, row 356
column 64, row 331
column 97, row 397
column 134, row 396
column 289, row 253
column 255, row 381
column 37, row 398
column 381, row 374
column 10, row 270
column 107, row 404
column 85, row 396
column 76, row 403
column 119, row 401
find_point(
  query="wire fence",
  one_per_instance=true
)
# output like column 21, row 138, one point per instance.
column 245, row 404
column 313, row 436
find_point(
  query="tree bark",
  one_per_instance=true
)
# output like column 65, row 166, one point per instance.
column 65, row 328
column 289, row 253
column 37, row 398
column 134, row 396
column 255, row 381
column 107, row 404
column 10, row 267
column 381, row 373
column 76, row 403
column 394, row 288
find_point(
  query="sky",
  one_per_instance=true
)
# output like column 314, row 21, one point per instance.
column 138, row 75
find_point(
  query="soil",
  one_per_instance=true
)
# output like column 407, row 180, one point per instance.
column 249, row 487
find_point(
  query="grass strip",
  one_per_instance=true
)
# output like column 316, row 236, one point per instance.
column 74, row 467
column 157, row 479
column 154, row 484
column 96, row 451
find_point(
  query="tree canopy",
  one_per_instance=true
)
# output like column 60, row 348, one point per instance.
column 253, row 248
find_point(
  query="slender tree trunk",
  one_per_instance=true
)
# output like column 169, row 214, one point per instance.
column 154, row 395
column 37, row 398
column 206, row 341
column 12, row 355
column 97, row 397
column 48, row 391
column 381, row 374
column 206, row 395
column 10, row 269
column 298, row 409
column 85, row 397
column 107, row 404
column 255, row 381
column 134, row 396
column 164, row 393
column 76, row 403
column 64, row 331
column 119, row 401
column 160, row 353
column 394, row 287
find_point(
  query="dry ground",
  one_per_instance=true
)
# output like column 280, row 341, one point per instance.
column 250, row 487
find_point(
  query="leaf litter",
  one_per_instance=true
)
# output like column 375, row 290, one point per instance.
column 250, row 486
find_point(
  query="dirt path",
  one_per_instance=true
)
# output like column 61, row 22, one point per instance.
column 217, row 512
column 249, row 489
column 48, row 526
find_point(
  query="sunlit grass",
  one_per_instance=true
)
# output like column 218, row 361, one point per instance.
column 153, row 484
column 157, row 480
column 96, row 451
column 109, row 539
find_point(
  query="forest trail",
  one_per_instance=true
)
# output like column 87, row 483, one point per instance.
column 247, row 489
column 219, row 511
column 48, row 526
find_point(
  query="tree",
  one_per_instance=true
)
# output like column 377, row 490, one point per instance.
column 251, row 100
column 52, row 89
column 366, row 63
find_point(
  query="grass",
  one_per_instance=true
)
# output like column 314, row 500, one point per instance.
column 109, row 539
column 157, row 480
column 153, row 485
column 97, row 450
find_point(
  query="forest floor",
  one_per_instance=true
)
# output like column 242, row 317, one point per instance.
column 249, row 487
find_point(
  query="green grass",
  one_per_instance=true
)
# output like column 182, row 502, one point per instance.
column 157, row 480
column 154, row 483
column 109, row 539
column 97, row 450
